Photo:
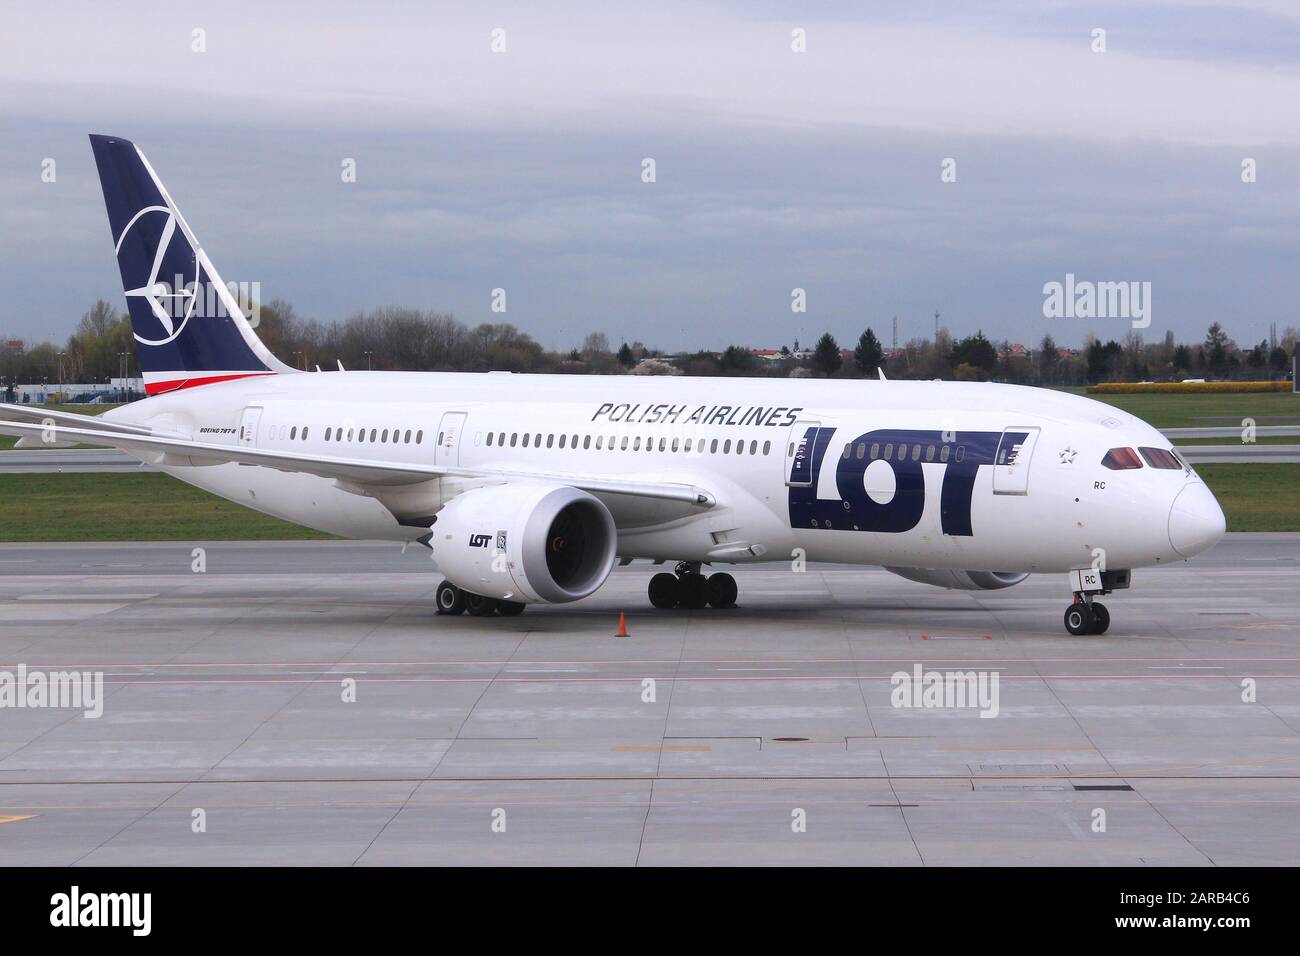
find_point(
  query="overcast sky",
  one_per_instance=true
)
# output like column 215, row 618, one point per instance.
column 775, row 169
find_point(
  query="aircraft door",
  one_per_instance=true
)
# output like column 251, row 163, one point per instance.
column 447, row 449
column 798, row 456
column 248, row 425
column 1011, row 463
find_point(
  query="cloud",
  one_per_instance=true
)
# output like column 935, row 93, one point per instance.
column 775, row 170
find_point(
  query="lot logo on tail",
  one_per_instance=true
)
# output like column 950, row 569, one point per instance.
column 190, row 294
column 160, row 221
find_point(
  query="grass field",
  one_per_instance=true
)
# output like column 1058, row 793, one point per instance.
column 154, row 507
column 114, row 507
column 1207, row 410
column 1256, row 497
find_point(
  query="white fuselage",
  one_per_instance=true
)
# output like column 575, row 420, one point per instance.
column 867, row 472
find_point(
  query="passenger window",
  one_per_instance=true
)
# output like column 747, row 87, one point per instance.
column 537, row 443
column 916, row 453
column 349, row 434
column 636, row 443
column 550, row 441
column 889, row 451
column 663, row 444
column 293, row 432
column 384, row 436
column 687, row 446
column 526, row 438
column 562, row 438
column 961, row 453
column 327, row 433
column 862, row 450
column 623, row 445
column 573, row 443
column 586, row 442
column 1161, row 458
column 875, row 450
column 713, row 447
column 943, row 453
column 902, row 451
column 440, row 434
column 419, row 437
column 600, row 442
column 490, row 436
column 753, row 447
column 304, row 432
column 929, row 453
column 1121, row 459
column 674, row 444
column 767, row 447
column 726, row 447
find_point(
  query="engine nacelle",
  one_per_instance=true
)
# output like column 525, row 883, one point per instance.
column 525, row 541
column 962, row 580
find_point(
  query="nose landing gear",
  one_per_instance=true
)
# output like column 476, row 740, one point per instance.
column 1085, row 617
column 689, row 588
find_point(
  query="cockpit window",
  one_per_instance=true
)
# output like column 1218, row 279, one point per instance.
column 1161, row 458
column 1121, row 459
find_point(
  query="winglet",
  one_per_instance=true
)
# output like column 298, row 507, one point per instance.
column 881, row 372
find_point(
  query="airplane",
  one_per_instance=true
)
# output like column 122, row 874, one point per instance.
column 527, row 489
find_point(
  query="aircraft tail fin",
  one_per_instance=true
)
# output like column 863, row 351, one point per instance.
column 189, row 326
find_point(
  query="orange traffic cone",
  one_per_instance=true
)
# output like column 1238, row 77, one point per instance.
column 622, row 626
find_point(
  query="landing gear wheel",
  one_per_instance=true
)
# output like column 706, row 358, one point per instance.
column 449, row 598
column 1100, row 618
column 693, row 591
column 663, row 590
column 479, row 606
column 510, row 608
column 1079, row 619
column 722, row 590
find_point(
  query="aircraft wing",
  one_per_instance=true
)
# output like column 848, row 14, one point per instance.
column 179, row 451
column 39, row 414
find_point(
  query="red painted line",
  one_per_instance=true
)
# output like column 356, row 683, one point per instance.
column 156, row 388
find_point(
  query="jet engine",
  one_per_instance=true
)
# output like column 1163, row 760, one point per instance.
column 530, row 542
column 962, row 580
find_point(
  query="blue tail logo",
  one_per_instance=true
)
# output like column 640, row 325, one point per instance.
column 167, row 306
column 188, row 325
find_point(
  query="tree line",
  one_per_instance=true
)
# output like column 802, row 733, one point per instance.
column 399, row 338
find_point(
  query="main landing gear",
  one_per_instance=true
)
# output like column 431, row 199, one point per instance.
column 689, row 588
column 1086, row 617
column 453, row 600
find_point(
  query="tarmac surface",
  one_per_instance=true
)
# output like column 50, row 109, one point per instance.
column 537, row 739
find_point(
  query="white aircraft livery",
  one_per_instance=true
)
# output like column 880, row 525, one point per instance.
column 528, row 488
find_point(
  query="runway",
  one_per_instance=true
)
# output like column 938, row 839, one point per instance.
column 704, row 737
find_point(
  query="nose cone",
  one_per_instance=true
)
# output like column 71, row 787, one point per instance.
column 1195, row 521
